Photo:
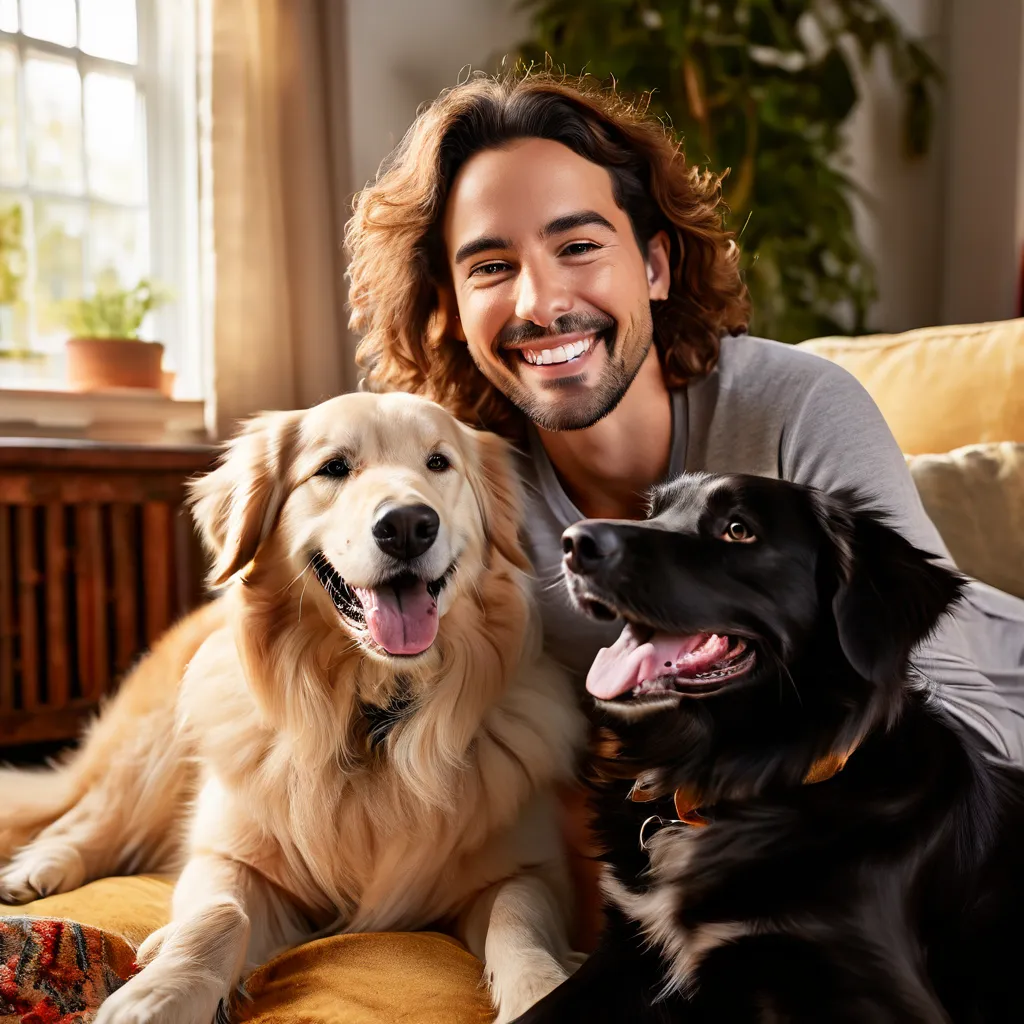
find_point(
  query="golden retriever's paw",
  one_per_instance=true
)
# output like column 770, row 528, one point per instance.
column 517, row 991
column 41, row 869
column 162, row 996
column 153, row 943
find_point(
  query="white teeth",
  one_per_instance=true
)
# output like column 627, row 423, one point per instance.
column 560, row 354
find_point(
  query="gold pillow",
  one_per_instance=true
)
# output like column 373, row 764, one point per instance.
column 975, row 497
column 940, row 388
column 376, row 978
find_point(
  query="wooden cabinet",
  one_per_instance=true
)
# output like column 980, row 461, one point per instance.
column 97, row 557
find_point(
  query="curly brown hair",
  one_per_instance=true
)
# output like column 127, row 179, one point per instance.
column 398, row 269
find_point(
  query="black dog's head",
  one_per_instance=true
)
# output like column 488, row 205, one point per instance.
column 766, row 625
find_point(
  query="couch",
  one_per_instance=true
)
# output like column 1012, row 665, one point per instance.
column 954, row 398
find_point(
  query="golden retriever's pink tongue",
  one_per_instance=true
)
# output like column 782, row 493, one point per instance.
column 629, row 662
column 403, row 620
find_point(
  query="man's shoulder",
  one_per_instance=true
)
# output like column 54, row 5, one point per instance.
column 745, row 359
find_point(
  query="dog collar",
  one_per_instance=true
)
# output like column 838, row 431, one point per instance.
column 688, row 804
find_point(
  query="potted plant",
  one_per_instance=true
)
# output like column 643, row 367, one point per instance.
column 104, row 350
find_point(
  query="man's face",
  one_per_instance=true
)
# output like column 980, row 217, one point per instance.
column 553, row 292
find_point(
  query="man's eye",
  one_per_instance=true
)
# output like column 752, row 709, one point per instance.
column 580, row 248
column 489, row 269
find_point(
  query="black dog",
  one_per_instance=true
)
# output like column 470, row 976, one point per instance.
column 795, row 829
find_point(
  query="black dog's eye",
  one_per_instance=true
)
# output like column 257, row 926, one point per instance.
column 438, row 462
column 338, row 468
column 738, row 532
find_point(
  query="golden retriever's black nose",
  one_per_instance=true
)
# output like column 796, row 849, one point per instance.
column 591, row 546
column 405, row 531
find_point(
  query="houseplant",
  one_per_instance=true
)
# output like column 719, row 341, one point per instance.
column 104, row 350
column 761, row 89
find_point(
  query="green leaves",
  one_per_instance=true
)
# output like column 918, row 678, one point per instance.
column 763, row 89
column 12, row 254
column 113, row 312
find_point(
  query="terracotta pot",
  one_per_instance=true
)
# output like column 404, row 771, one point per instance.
column 96, row 364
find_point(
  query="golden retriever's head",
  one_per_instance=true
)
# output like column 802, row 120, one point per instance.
column 384, row 506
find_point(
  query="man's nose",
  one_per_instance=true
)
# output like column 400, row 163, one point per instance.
column 591, row 546
column 541, row 297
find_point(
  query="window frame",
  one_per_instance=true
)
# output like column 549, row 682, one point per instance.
column 164, row 77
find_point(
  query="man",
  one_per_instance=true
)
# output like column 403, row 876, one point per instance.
column 539, row 258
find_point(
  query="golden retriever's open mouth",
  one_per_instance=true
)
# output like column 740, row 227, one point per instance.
column 400, row 613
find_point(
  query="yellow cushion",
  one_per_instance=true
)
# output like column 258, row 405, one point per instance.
column 376, row 978
column 975, row 497
column 940, row 388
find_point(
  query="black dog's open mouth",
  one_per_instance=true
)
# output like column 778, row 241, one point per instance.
column 400, row 613
column 645, row 663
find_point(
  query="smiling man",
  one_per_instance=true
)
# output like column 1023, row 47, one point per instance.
column 540, row 258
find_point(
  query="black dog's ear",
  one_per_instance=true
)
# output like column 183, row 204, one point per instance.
column 890, row 594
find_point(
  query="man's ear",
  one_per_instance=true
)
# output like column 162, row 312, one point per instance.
column 890, row 594
column 499, row 496
column 659, row 268
column 236, row 505
column 448, row 309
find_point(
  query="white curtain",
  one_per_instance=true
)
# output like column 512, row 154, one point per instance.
column 275, row 172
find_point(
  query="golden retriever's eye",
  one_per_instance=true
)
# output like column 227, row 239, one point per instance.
column 438, row 462
column 738, row 532
column 338, row 468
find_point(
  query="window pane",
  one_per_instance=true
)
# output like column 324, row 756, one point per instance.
column 118, row 247
column 114, row 137
column 52, row 20
column 109, row 29
column 8, row 15
column 59, row 228
column 53, row 103
column 10, row 162
column 13, row 307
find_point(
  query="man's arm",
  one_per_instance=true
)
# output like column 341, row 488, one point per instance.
column 838, row 438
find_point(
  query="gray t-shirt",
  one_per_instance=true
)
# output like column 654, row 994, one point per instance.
column 776, row 411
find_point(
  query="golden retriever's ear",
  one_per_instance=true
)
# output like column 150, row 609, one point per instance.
column 499, row 495
column 236, row 504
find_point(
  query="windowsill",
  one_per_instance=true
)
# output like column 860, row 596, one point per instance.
column 125, row 415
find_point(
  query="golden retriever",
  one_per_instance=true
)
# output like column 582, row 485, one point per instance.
column 361, row 733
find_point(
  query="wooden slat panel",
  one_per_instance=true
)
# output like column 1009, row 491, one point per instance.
column 126, row 622
column 44, row 724
column 55, row 585
column 157, row 552
column 6, row 612
column 91, row 603
column 29, row 626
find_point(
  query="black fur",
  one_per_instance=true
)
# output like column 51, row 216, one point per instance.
column 893, row 891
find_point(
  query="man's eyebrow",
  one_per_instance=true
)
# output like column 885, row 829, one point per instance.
column 575, row 220
column 479, row 245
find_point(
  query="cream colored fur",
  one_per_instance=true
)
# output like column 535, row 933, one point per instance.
column 258, row 777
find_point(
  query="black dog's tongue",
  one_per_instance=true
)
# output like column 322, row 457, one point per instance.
column 631, row 661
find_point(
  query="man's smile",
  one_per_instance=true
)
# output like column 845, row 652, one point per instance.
column 560, row 356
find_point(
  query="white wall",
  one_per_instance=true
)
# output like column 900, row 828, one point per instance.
column 945, row 231
column 403, row 52
column 899, row 217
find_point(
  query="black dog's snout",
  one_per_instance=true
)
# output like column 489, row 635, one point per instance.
column 591, row 546
column 406, row 531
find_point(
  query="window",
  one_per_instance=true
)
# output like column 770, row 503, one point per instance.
column 97, row 172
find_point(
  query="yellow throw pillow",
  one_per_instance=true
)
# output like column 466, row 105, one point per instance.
column 940, row 388
column 975, row 497
column 376, row 978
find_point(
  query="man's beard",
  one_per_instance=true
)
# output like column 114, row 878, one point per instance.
column 625, row 356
